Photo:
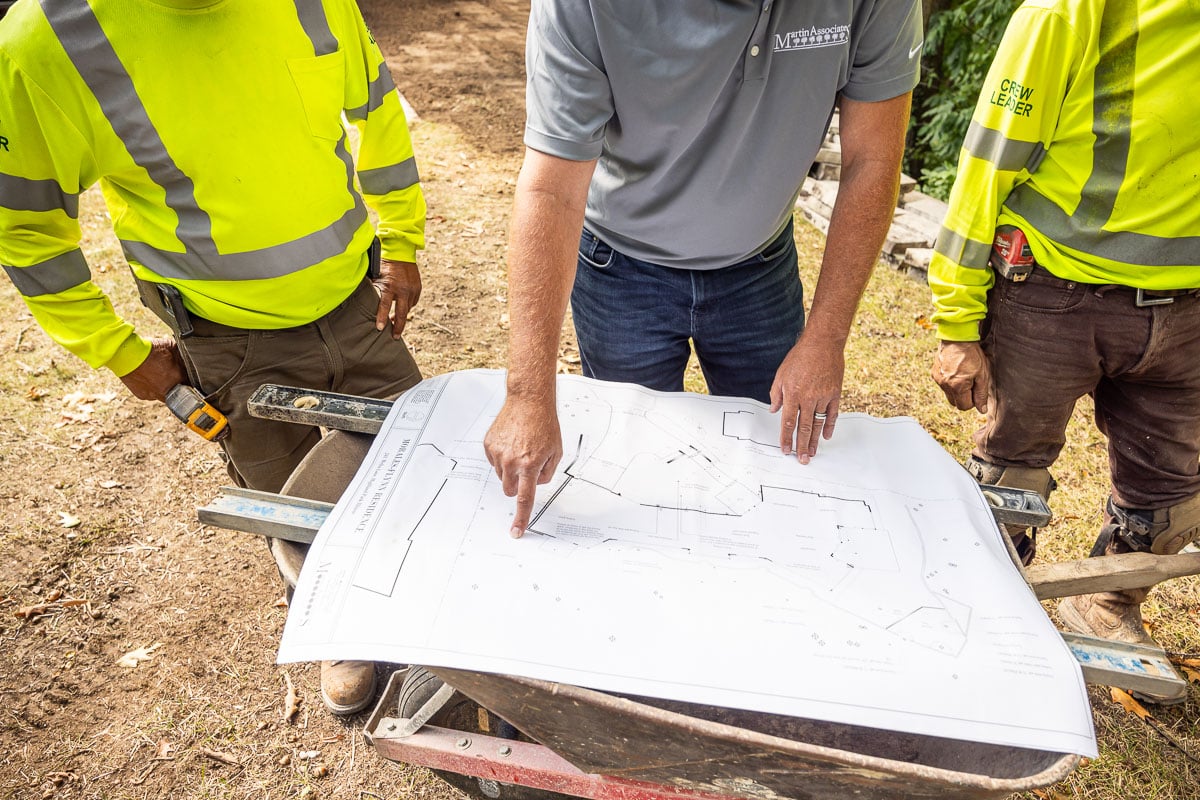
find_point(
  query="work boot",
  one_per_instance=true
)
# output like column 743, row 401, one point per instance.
column 1117, row 616
column 347, row 687
column 1108, row 615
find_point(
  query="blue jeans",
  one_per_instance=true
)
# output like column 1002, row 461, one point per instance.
column 634, row 319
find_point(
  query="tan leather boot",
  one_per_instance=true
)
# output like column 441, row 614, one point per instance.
column 1118, row 615
column 347, row 687
column 1108, row 615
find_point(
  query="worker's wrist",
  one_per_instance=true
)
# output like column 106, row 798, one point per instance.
column 531, row 392
column 944, row 345
column 829, row 335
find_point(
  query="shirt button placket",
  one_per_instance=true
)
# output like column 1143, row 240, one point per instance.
column 754, row 68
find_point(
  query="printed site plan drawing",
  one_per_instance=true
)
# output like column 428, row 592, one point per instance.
column 677, row 553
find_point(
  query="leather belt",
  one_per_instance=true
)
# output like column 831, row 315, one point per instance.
column 1143, row 298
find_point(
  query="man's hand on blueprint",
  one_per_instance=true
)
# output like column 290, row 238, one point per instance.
column 806, row 389
column 524, row 445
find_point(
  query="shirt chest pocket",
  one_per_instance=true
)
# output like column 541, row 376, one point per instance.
column 320, row 83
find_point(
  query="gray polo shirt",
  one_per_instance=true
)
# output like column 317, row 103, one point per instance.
column 705, row 114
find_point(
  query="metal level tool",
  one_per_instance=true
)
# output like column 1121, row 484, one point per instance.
column 344, row 412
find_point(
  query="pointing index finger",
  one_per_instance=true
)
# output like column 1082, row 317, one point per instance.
column 526, row 491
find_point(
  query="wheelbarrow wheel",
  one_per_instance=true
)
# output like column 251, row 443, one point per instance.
column 419, row 687
column 461, row 713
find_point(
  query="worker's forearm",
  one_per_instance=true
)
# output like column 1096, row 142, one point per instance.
column 872, row 146
column 857, row 229
column 543, row 248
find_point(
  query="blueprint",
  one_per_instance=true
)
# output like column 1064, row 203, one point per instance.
column 677, row 553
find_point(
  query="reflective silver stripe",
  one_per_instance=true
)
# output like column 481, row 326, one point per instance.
column 1112, row 113
column 269, row 262
column 81, row 36
column 377, row 90
column 51, row 277
column 316, row 26
column 382, row 180
column 27, row 194
column 999, row 150
column 961, row 250
column 1125, row 247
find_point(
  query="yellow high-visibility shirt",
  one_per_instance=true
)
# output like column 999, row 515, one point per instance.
column 1085, row 136
column 215, row 129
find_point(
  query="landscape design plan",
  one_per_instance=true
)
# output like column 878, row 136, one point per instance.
column 677, row 553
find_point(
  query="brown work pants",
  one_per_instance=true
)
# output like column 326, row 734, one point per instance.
column 340, row 352
column 1051, row 341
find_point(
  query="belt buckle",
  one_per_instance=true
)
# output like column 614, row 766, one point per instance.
column 1142, row 301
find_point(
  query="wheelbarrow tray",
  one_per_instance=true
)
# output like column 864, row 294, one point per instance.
column 733, row 753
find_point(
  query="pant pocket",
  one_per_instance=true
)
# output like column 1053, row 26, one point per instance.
column 779, row 246
column 593, row 251
column 218, row 361
column 1041, row 292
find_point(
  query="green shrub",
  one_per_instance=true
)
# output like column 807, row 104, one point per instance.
column 960, row 43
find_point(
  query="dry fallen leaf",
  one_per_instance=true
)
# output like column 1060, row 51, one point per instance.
column 86, row 401
column 1050, row 794
column 164, row 750
column 66, row 520
column 36, row 393
column 135, row 657
column 291, row 701
column 1127, row 702
column 111, row 484
column 29, row 612
column 216, row 755
column 69, row 417
column 1192, row 675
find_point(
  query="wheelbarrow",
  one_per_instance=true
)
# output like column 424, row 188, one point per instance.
column 505, row 736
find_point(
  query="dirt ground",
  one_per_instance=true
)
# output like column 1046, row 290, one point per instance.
column 99, row 493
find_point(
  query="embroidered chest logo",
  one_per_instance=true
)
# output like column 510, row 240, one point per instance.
column 808, row 38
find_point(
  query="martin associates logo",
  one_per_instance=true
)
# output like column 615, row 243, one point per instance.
column 807, row 38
